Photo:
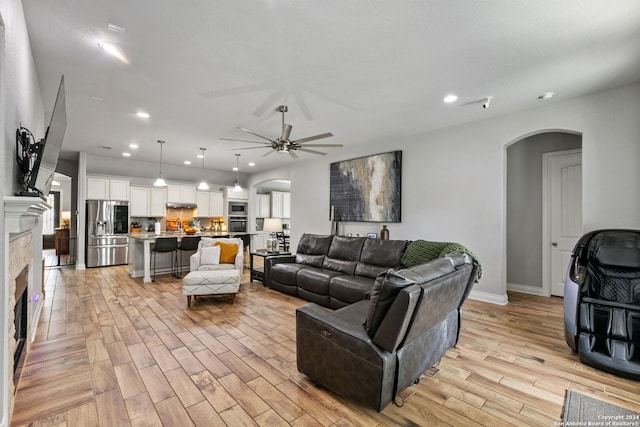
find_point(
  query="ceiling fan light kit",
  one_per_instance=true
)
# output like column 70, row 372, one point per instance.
column 284, row 144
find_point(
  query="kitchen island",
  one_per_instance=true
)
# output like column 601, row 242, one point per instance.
column 140, row 253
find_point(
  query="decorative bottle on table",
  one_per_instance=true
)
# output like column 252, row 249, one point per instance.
column 384, row 233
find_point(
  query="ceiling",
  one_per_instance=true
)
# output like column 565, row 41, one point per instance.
column 362, row 70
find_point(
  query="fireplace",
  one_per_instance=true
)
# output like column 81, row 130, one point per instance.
column 22, row 289
column 20, row 321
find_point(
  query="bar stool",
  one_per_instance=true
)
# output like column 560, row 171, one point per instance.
column 246, row 242
column 165, row 245
column 189, row 243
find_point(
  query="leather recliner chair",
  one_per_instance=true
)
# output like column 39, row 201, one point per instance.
column 602, row 301
column 371, row 350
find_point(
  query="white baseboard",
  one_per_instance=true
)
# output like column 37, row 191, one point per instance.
column 487, row 297
column 526, row 289
column 81, row 267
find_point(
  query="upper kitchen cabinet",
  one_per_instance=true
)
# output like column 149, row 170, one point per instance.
column 107, row 189
column 280, row 204
column 264, row 206
column 181, row 194
column 236, row 195
column 210, row 204
column 148, row 202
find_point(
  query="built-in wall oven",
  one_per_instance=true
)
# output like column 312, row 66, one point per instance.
column 237, row 224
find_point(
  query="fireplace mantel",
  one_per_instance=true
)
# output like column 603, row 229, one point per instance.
column 21, row 213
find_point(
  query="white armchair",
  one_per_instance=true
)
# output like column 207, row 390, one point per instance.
column 214, row 271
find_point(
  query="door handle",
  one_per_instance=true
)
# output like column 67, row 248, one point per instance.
column 554, row 244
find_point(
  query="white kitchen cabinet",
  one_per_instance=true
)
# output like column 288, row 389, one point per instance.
column 157, row 202
column 210, row 204
column 119, row 189
column 280, row 204
column 259, row 241
column 139, row 206
column 181, row 194
column 236, row 195
column 264, row 206
column 107, row 189
column 147, row 202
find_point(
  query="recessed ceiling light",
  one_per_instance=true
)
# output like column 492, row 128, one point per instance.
column 133, row 146
column 187, row 162
column 235, row 169
column 200, row 156
column 113, row 50
column 143, row 115
column 450, row 98
column 116, row 28
column 125, row 154
column 97, row 98
column 252, row 164
column 546, row 95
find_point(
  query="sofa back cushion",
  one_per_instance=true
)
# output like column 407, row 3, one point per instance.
column 379, row 255
column 388, row 285
column 344, row 254
column 312, row 248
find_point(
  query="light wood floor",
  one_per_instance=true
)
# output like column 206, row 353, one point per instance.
column 112, row 351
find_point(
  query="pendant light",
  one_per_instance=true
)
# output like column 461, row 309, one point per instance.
column 160, row 182
column 236, row 186
column 203, row 185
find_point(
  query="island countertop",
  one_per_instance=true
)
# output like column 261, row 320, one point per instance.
column 151, row 237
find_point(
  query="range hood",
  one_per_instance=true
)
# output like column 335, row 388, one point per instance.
column 175, row 205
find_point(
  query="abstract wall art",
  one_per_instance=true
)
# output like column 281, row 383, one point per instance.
column 367, row 189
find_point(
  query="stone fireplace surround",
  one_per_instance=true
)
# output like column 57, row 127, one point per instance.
column 22, row 248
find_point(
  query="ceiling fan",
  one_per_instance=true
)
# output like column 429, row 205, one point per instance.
column 283, row 144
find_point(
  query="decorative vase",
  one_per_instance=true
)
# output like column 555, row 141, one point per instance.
column 384, row 233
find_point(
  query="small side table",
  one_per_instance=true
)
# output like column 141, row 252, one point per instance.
column 258, row 272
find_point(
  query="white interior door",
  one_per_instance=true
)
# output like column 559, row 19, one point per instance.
column 564, row 215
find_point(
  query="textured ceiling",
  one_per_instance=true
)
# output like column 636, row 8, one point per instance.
column 364, row 70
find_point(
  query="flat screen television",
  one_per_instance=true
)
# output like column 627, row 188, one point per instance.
column 47, row 159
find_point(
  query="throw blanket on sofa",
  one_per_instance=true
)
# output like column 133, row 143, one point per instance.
column 421, row 251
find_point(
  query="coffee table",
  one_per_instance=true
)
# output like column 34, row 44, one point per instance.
column 256, row 272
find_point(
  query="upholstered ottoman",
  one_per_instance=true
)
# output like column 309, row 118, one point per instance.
column 216, row 282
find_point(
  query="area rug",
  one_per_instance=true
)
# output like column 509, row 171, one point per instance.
column 585, row 410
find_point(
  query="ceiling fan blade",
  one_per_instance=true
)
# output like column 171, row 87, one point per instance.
column 256, row 134
column 312, row 138
column 268, row 152
column 244, row 140
column 322, row 145
column 247, row 148
column 292, row 154
column 286, row 132
column 306, row 150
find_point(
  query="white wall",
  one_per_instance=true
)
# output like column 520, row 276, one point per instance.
column 20, row 103
column 454, row 180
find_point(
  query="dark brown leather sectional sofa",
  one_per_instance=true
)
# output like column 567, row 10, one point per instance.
column 333, row 271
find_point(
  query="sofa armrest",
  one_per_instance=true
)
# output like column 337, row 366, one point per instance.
column 194, row 261
column 348, row 334
column 273, row 260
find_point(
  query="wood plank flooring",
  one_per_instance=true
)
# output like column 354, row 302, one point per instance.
column 112, row 351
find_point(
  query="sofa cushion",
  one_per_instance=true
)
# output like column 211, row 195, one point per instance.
column 316, row 280
column 312, row 248
column 384, row 291
column 343, row 254
column 379, row 255
column 350, row 289
column 286, row 272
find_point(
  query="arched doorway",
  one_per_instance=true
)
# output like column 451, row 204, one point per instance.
column 524, row 207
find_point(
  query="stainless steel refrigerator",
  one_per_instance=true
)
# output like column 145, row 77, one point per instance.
column 107, row 233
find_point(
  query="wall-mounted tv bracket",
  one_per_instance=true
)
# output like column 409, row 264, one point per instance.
column 27, row 152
